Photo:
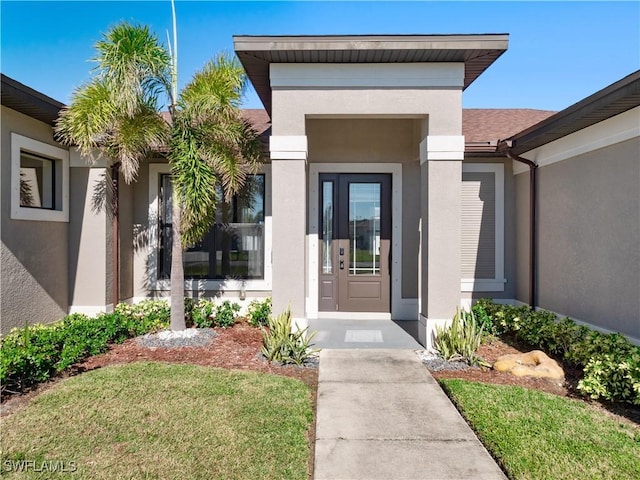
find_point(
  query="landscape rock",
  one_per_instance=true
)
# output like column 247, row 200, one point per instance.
column 532, row 364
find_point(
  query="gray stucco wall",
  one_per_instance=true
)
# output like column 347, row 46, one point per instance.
column 33, row 272
column 88, row 255
column 125, row 200
column 521, row 203
column 589, row 237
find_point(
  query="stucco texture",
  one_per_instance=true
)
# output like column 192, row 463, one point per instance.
column 588, row 237
column 34, row 254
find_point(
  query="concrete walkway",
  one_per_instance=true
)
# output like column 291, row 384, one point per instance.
column 381, row 415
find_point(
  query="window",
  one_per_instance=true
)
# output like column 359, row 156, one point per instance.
column 39, row 180
column 482, row 246
column 234, row 246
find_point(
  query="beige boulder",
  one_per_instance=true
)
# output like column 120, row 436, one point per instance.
column 531, row 364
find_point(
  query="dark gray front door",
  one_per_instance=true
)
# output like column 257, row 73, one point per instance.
column 355, row 242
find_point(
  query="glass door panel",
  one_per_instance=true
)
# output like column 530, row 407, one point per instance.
column 327, row 227
column 364, row 229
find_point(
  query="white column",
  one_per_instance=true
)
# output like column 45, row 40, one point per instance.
column 441, row 217
column 289, row 194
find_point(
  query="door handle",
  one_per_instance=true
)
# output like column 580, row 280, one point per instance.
column 341, row 264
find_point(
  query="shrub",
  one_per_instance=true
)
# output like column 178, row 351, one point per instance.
column 610, row 362
column 259, row 312
column 203, row 314
column 281, row 344
column 34, row 353
column 613, row 378
column 460, row 340
column 189, row 305
column 484, row 320
column 206, row 314
column 226, row 314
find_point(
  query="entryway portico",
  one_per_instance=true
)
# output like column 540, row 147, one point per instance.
column 349, row 106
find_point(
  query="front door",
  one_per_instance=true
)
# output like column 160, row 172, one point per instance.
column 355, row 243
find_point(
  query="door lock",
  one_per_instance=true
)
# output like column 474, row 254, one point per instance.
column 341, row 250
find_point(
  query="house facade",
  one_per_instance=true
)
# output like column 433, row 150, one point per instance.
column 380, row 197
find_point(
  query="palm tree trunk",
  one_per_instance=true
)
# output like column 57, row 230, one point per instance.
column 177, row 271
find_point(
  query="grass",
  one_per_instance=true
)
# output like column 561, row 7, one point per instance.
column 535, row 435
column 161, row 421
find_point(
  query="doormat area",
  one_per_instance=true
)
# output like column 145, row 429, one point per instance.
column 363, row 336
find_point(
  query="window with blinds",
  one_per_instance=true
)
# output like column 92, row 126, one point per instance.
column 482, row 242
column 478, row 225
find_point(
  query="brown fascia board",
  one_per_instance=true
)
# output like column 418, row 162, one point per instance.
column 613, row 100
column 26, row 100
column 256, row 53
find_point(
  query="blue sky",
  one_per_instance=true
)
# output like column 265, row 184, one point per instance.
column 559, row 52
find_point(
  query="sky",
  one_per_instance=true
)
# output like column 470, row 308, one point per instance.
column 559, row 52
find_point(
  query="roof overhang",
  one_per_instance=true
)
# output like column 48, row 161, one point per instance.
column 256, row 53
column 28, row 101
column 617, row 98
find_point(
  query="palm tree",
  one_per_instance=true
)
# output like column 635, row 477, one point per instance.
column 206, row 139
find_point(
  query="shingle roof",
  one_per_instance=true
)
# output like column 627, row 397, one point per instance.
column 487, row 125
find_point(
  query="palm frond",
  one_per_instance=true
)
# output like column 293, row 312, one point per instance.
column 194, row 183
column 133, row 139
column 89, row 119
column 215, row 92
column 134, row 63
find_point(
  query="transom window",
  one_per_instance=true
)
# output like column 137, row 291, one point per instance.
column 234, row 246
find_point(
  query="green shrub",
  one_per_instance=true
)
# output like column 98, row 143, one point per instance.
column 281, row 344
column 34, row 353
column 484, row 320
column 189, row 305
column 460, row 340
column 203, row 314
column 259, row 312
column 610, row 362
column 226, row 314
column 613, row 378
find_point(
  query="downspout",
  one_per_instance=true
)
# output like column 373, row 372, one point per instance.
column 505, row 146
column 115, row 227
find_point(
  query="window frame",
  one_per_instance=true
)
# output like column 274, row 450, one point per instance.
column 156, row 170
column 60, row 163
column 209, row 236
column 496, row 284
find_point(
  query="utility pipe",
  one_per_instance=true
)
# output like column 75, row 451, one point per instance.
column 505, row 146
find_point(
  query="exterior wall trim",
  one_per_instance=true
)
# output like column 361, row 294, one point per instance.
column 20, row 143
column 496, row 284
column 288, row 147
column 624, row 126
column 391, row 75
column 398, row 308
column 442, row 147
column 155, row 170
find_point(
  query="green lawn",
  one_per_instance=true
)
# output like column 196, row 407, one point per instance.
column 162, row 421
column 534, row 435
